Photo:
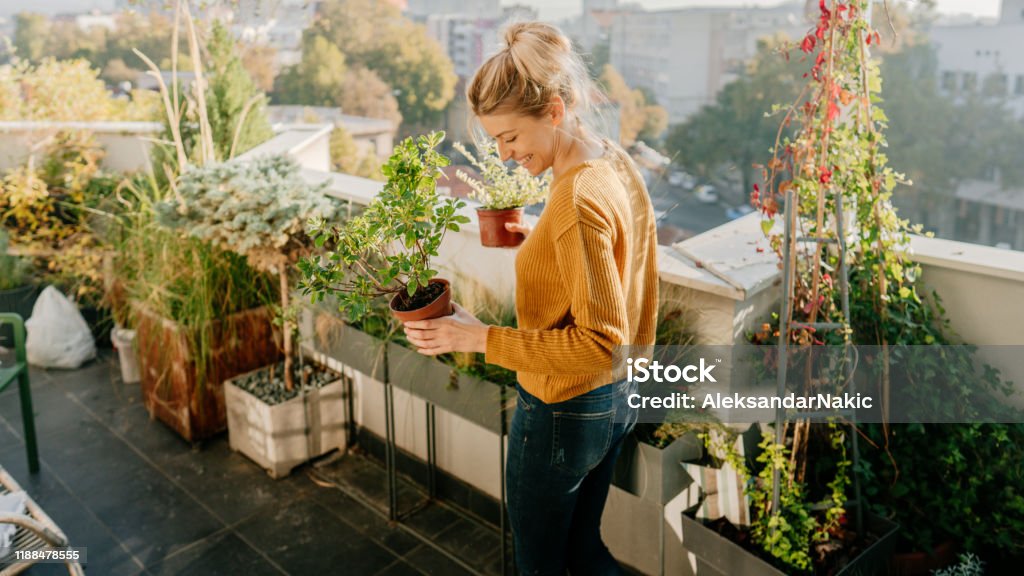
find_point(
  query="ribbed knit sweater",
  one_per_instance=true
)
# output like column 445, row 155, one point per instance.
column 586, row 281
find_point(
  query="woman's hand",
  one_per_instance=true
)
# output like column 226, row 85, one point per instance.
column 460, row 332
column 521, row 228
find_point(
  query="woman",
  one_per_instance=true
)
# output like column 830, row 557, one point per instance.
column 586, row 282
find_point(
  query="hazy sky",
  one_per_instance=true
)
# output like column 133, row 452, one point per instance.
column 549, row 9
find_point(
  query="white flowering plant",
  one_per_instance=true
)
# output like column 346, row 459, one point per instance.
column 501, row 188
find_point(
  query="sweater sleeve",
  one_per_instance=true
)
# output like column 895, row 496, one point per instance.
column 599, row 322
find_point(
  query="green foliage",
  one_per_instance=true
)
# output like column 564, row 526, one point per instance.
column 175, row 276
column 233, row 99
column 387, row 249
column 30, row 33
column 375, row 36
column 639, row 117
column 348, row 159
column 257, row 209
column 318, row 79
column 735, row 131
column 15, row 271
column 501, row 188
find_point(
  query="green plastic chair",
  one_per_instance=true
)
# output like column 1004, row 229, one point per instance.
column 19, row 371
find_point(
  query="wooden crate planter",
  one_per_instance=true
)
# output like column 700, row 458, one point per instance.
column 282, row 436
column 719, row 555
column 240, row 343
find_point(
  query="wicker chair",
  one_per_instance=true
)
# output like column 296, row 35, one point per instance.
column 36, row 531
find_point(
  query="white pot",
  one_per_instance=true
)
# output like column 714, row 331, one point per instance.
column 124, row 341
column 283, row 436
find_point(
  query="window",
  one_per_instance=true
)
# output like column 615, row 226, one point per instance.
column 996, row 85
column 970, row 81
column 1019, row 88
column 949, row 81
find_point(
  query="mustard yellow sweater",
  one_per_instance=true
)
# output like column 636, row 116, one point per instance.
column 586, row 281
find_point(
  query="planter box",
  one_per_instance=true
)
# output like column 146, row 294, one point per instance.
column 476, row 400
column 653, row 473
column 171, row 392
column 282, row 436
column 719, row 555
column 332, row 337
column 19, row 300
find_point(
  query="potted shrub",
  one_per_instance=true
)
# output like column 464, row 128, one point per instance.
column 386, row 250
column 199, row 313
column 282, row 415
column 503, row 194
column 17, row 293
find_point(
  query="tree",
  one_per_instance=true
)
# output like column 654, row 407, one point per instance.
column 258, row 60
column 348, row 159
column 318, row 79
column 374, row 35
column 30, row 34
column 233, row 99
column 735, row 131
column 636, row 116
column 365, row 94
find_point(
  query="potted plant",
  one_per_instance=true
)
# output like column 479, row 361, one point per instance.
column 199, row 313
column 386, row 250
column 279, row 416
column 17, row 293
column 502, row 193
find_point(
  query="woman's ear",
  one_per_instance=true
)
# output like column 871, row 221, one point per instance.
column 557, row 110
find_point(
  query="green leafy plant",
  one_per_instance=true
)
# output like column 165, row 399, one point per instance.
column 837, row 154
column 501, row 188
column 387, row 249
column 256, row 209
column 14, row 270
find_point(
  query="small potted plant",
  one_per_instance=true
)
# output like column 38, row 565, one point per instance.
column 258, row 209
column 503, row 194
column 386, row 250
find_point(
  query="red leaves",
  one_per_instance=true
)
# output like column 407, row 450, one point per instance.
column 756, row 195
column 824, row 175
column 808, row 44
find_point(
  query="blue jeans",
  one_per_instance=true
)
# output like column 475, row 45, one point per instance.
column 560, row 462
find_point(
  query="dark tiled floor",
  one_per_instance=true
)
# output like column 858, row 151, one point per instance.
column 143, row 501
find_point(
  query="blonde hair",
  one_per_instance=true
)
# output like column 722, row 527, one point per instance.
column 536, row 64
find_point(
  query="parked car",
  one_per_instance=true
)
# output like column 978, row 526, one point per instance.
column 706, row 194
column 738, row 211
column 680, row 178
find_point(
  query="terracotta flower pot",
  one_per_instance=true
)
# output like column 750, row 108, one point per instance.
column 923, row 563
column 441, row 306
column 492, row 227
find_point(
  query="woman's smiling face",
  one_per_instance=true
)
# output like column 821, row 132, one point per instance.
column 529, row 140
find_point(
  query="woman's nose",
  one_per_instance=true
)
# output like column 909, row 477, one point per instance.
column 503, row 152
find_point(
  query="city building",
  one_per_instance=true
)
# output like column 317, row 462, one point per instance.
column 984, row 58
column 686, row 56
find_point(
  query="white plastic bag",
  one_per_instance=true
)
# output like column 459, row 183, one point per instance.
column 58, row 336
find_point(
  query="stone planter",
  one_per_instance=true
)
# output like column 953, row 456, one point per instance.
column 280, row 437
column 171, row 390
